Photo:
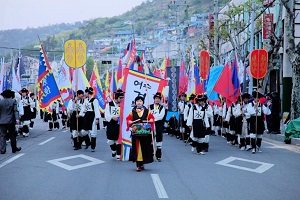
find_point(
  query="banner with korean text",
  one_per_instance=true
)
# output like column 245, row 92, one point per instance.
column 135, row 83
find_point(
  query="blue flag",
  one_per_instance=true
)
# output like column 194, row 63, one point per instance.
column 49, row 91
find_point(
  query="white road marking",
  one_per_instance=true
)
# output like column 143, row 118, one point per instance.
column 42, row 143
column 281, row 145
column 261, row 169
column 161, row 192
column 93, row 161
column 11, row 159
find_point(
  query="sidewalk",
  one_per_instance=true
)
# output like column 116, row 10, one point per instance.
column 280, row 137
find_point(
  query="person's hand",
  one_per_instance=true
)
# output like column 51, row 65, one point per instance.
column 77, row 116
column 269, row 103
column 130, row 122
column 190, row 127
column 97, row 121
column 20, row 116
column 17, row 122
column 151, row 120
column 115, row 118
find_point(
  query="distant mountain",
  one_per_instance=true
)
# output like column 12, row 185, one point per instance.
column 17, row 38
column 145, row 17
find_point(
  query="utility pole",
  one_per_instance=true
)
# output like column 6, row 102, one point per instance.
column 250, row 89
column 216, row 11
column 177, row 4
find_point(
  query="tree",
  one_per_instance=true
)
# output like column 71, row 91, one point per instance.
column 89, row 67
column 293, row 51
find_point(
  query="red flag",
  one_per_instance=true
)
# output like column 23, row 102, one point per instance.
column 183, row 79
column 156, row 72
column 223, row 83
column 168, row 62
column 119, row 73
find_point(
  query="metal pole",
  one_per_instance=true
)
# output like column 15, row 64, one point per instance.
column 216, row 10
column 250, row 89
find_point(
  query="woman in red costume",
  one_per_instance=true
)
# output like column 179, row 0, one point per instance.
column 141, row 122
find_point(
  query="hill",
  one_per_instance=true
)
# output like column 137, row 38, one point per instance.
column 145, row 17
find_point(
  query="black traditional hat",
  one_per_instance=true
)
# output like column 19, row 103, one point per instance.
column 246, row 96
column 7, row 93
column 24, row 90
column 205, row 97
column 182, row 94
column 119, row 93
column 79, row 92
column 139, row 98
column 192, row 97
column 157, row 95
column 200, row 98
column 89, row 90
column 256, row 94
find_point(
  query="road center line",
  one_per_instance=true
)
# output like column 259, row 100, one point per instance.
column 161, row 192
column 11, row 159
column 42, row 143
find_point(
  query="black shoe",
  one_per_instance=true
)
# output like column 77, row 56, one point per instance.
column 16, row 149
column 113, row 155
column 2, row 152
column 158, row 159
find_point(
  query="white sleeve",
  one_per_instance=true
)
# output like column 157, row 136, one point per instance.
column 209, row 111
column 237, row 112
column 189, row 121
column 107, row 114
column 20, row 108
column 185, row 113
column 57, row 108
column 70, row 107
column 228, row 114
column 266, row 110
column 250, row 111
column 224, row 111
column 206, row 121
column 96, row 109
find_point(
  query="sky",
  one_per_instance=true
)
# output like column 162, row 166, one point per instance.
column 33, row 13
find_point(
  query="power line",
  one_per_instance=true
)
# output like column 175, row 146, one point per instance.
column 36, row 50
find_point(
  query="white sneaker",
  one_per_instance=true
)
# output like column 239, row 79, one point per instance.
column 259, row 150
column 253, row 151
column 201, row 153
column 8, row 141
column 83, row 143
column 30, row 128
column 248, row 148
column 242, row 148
column 193, row 149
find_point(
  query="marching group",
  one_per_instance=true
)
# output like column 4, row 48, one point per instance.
column 242, row 122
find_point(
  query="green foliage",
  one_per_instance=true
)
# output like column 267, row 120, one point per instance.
column 89, row 67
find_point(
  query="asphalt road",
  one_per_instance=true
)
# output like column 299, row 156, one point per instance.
column 47, row 167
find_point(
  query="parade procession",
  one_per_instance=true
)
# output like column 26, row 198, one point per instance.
column 198, row 95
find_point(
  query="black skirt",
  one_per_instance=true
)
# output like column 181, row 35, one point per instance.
column 159, row 128
column 217, row 120
column 112, row 130
column 73, row 122
column 27, row 114
column 259, row 123
column 199, row 130
column 145, row 151
column 88, row 120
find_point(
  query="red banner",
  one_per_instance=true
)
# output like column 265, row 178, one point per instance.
column 204, row 64
column 267, row 26
column 258, row 63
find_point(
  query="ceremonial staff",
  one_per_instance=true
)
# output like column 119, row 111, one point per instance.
column 75, row 57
